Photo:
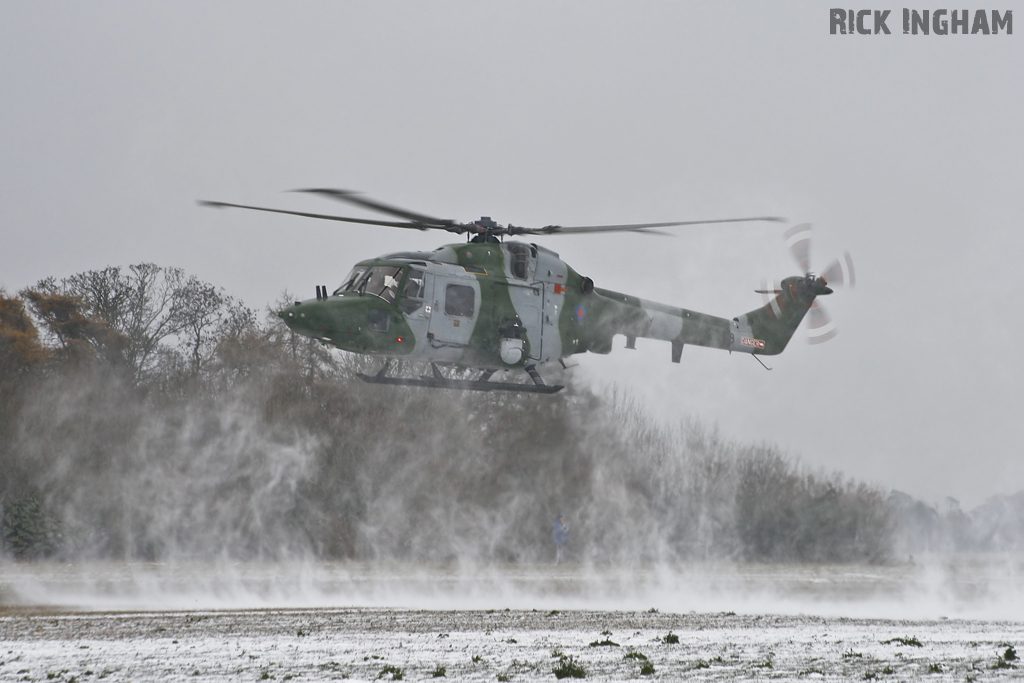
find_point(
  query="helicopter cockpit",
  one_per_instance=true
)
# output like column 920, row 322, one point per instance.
column 380, row 281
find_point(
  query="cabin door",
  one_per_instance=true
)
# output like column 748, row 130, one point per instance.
column 456, row 304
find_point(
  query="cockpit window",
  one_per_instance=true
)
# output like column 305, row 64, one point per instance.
column 382, row 281
column 350, row 282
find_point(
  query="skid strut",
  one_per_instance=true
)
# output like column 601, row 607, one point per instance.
column 436, row 380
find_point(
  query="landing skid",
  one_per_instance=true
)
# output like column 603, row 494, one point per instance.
column 439, row 381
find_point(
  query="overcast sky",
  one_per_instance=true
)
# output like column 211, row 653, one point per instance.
column 906, row 150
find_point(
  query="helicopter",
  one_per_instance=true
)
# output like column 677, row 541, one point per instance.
column 492, row 304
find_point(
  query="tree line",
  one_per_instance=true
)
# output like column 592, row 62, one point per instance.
column 145, row 414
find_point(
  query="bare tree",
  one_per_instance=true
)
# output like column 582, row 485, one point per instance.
column 158, row 310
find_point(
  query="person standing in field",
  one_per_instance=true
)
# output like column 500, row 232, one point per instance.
column 560, row 533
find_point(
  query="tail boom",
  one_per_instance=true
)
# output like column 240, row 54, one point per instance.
column 763, row 331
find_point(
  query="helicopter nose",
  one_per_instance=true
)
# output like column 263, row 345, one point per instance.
column 287, row 315
column 316, row 318
column 299, row 317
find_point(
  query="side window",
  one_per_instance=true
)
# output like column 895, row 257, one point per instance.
column 412, row 294
column 520, row 259
column 414, row 285
column 459, row 300
column 379, row 320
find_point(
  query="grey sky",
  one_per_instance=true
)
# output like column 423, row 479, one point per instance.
column 907, row 150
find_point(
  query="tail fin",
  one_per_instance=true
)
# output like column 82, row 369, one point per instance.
column 768, row 329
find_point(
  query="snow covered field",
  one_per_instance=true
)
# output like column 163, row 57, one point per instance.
column 367, row 643
column 952, row 621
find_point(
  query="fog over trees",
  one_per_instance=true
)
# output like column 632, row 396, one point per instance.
column 145, row 414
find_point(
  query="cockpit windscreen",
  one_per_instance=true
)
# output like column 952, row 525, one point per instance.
column 350, row 281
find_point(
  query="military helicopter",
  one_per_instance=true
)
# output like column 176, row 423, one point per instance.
column 492, row 304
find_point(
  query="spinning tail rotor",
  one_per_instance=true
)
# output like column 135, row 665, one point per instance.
column 839, row 273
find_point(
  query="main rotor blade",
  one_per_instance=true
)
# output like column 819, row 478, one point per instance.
column 558, row 230
column 354, row 198
column 364, row 221
column 636, row 227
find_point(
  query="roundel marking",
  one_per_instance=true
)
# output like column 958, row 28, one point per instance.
column 581, row 313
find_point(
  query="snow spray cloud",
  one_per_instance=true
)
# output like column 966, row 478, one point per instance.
column 447, row 503
column 135, row 479
column 487, row 485
column 281, row 467
column 251, row 444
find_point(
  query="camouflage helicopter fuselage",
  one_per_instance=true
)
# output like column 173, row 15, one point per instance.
column 494, row 305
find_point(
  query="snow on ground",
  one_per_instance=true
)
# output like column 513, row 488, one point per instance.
column 368, row 644
column 371, row 622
